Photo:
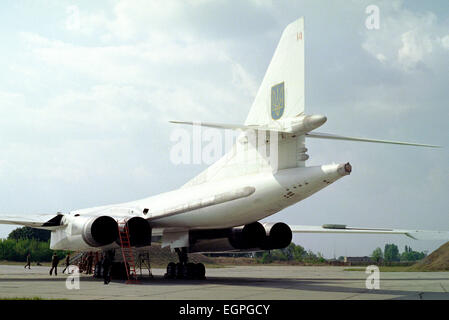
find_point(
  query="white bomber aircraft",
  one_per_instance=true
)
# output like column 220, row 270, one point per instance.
column 220, row 209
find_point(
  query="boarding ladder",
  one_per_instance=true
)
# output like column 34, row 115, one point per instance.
column 128, row 253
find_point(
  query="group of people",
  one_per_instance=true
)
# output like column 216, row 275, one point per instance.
column 86, row 264
column 54, row 262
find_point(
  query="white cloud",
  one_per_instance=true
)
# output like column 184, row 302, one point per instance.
column 381, row 57
column 414, row 49
column 445, row 42
column 129, row 20
column 406, row 39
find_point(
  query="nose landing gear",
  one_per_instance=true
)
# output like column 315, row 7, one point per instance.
column 184, row 269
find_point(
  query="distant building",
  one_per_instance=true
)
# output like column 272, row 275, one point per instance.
column 335, row 262
column 357, row 260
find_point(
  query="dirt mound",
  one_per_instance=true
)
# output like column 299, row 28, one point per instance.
column 162, row 256
column 436, row 261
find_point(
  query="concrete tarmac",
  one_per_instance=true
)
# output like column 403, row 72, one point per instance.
column 231, row 283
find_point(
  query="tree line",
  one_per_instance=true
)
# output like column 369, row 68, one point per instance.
column 26, row 240
column 293, row 252
column 391, row 254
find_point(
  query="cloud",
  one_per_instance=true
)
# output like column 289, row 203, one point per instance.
column 414, row 49
column 445, row 42
column 406, row 40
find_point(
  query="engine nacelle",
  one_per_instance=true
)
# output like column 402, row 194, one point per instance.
column 98, row 231
column 254, row 236
column 278, row 236
column 248, row 236
column 81, row 232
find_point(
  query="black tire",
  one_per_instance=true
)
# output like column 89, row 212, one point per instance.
column 171, row 271
column 179, row 271
column 200, row 271
column 189, row 271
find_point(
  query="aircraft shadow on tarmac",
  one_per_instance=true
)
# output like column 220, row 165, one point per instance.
column 306, row 284
column 330, row 285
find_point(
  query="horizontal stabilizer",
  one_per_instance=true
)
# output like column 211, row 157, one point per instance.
column 336, row 228
column 337, row 137
column 230, row 126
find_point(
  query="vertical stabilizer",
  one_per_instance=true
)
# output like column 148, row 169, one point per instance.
column 281, row 94
column 279, row 100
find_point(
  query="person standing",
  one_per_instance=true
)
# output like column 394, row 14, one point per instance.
column 107, row 263
column 28, row 261
column 90, row 261
column 67, row 262
column 54, row 264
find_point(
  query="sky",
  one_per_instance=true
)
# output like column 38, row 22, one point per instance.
column 87, row 90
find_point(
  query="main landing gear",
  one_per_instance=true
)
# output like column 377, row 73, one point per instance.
column 184, row 269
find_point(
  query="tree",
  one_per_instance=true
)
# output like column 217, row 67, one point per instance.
column 410, row 255
column 266, row 257
column 377, row 255
column 391, row 253
column 298, row 252
column 29, row 233
column 292, row 252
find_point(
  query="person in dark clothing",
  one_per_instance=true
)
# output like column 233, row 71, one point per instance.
column 81, row 264
column 67, row 262
column 107, row 263
column 90, row 261
column 28, row 261
column 54, row 264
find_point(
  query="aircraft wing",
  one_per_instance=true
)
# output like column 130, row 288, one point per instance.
column 335, row 228
column 42, row 221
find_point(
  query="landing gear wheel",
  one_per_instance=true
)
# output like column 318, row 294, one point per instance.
column 200, row 271
column 171, row 271
column 179, row 271
column 189, row 271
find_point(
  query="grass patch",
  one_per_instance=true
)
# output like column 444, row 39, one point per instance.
column 26, row 298
column 389, row 269
column 19, row 263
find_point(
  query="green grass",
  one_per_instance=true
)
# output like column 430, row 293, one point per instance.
column 388, row 269
column 19, row 263
column 26, row 298
column 21, row 298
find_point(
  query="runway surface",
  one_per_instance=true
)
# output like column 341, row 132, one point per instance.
column 233, row 283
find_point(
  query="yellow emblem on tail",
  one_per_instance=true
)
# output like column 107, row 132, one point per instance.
column 277, row 101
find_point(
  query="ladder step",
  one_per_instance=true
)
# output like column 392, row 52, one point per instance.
column 128, row 252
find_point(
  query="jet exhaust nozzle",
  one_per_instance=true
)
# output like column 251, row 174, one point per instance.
column 344, row 169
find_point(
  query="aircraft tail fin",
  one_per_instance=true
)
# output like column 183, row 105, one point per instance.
column 281, row 94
